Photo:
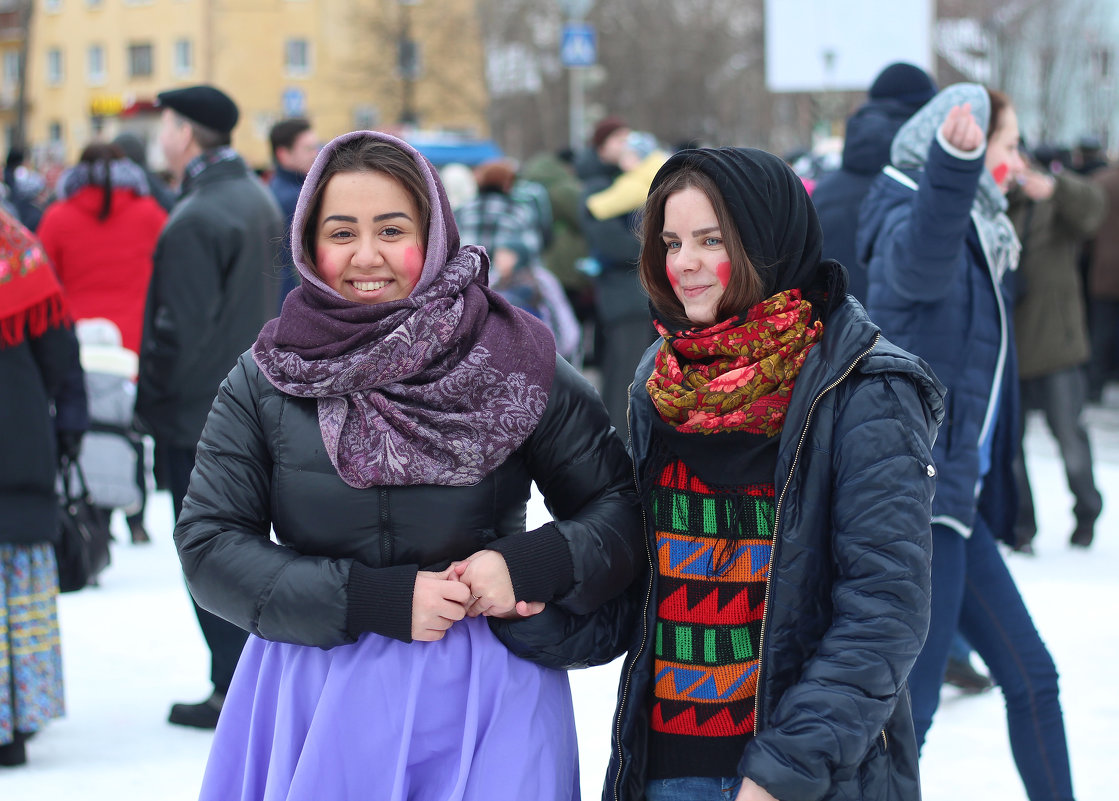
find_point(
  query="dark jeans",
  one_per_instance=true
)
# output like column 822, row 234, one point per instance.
column 624, row 340
column 973, row 589
column 693, row 788
column 224, row 640
column 1103, row 320
column 1061, row 397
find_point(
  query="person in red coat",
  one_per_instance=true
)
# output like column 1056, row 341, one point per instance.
column 100, row 235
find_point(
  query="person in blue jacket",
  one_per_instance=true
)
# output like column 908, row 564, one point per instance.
column 896, row 94
column 783, row 453
column 940, row 249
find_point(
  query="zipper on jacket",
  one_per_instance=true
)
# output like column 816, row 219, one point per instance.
column 777, row 518
column 386, row 534
column 644, row 611
column 885, row 743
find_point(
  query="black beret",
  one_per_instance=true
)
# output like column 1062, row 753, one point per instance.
column 203, row 104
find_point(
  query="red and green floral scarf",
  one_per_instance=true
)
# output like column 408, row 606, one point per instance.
column 737, row 375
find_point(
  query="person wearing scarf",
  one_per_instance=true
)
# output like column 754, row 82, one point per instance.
column 386, row 428
column 783, row 450
column 941, row 253
column 39, row 370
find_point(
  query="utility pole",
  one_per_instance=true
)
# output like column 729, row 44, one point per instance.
column 577, row 52
column 26, row 9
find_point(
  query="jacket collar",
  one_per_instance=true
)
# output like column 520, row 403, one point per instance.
column 851, row 341
column 289, row 176
column 212, row 165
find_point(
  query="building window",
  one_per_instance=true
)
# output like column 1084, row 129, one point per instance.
column 52, row 6
column 183, row 58
column 54, row 132
column 96, row 65
column 11, row 67
column 297, row 58
column 139, row 60
column 54, row 66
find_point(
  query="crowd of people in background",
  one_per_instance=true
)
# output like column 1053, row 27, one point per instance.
column 127, row 297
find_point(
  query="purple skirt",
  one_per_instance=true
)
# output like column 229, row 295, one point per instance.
column 461, row 718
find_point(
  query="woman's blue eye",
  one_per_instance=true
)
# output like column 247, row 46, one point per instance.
column 713, row 241
column 671, row 245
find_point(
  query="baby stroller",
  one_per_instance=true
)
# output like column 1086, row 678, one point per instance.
column 112, row 455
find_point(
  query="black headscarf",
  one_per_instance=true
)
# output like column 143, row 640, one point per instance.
column 774, row 215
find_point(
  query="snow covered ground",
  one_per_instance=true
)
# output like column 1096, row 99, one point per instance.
column 132, row 647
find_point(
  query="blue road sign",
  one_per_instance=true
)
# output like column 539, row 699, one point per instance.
column 294, row 102
column 578, row 46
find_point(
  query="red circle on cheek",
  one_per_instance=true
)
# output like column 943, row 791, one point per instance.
column 413, row 263
column 672, row 280
column 722, row 272
column 999, row 172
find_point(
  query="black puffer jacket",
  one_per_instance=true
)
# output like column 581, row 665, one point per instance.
column 347, row 558
column 847, row 607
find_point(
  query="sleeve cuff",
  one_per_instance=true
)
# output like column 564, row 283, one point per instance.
column 539, row 563
column 965, row 155
column 380, row 601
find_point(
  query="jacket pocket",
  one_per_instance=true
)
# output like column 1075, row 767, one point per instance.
column 874, row 772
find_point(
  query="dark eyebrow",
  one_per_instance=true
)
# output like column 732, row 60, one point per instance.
column 379, row 218
column 697, row 232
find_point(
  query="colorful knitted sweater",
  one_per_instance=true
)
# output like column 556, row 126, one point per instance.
column 713, row 556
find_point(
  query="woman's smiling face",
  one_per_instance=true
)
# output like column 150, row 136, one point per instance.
column 368, row 248
column 697, row 262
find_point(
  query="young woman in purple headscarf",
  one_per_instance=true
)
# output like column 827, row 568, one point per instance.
column 386, row 429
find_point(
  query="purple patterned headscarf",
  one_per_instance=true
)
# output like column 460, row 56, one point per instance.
column 436, row 388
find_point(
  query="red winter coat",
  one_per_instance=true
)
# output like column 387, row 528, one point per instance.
column 104, row 265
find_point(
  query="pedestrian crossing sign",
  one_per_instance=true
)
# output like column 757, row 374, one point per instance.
column 578, row 46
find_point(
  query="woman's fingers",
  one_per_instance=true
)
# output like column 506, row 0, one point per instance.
column 437, row 604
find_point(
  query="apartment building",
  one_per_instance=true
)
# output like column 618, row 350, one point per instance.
column 96, row 66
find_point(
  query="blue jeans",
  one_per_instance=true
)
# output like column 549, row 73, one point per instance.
column 692, row 788
column 973, row 589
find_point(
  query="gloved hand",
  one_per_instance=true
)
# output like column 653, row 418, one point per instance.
column 69, row 444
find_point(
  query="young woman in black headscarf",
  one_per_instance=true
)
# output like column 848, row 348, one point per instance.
column 783, row 452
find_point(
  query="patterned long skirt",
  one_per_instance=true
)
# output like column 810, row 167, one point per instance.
column 30, row 653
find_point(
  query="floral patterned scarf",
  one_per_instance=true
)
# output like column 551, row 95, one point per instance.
column 737, row 375
column 31, row 299
column 439, row 387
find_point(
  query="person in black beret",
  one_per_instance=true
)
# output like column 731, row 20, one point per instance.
column 894, row 96
column 214, row 284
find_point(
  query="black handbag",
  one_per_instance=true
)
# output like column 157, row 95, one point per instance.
column 82, row 550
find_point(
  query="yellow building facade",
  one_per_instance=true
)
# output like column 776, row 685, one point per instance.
column 96, row 66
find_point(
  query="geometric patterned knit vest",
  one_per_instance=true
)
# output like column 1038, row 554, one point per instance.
column 713, row 555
